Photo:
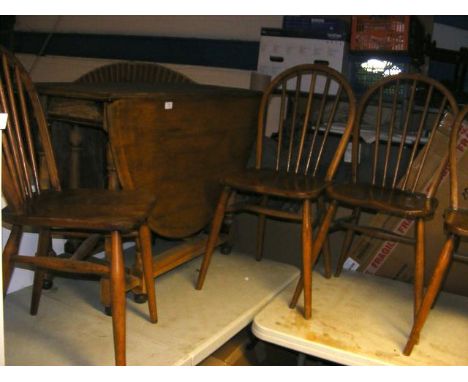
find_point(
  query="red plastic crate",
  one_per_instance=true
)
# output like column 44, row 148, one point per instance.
column 385, row 33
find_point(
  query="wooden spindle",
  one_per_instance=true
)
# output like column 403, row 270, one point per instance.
column 396, row 92
column 404, row 133
column 310, row 99
column 27, row 129
column 293, row 122
column 281, row 124
column 378, row 123
column 418, row 136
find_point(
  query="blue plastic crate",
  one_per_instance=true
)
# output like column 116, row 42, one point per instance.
column 320, row 28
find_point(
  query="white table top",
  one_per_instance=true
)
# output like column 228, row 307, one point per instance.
column 71, row 329
column 361, row 319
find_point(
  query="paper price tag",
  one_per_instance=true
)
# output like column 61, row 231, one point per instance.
column 3, row 120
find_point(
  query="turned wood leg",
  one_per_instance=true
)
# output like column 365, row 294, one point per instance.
column 140, row 294
column 43, row 249
column 105, row 294
column 112, row 179
column 307, row 233
column 11, row 249
column 440, row 270
column 147, row 262
column 326, row 252
column 348, row 240
column 75, row 150
column 117, row 286
column 213, row 237
column 321, row 236
column 261, row 230
column 419, row 266
column 327, row 259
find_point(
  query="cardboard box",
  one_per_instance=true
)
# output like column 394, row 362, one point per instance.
column 396, row 260
column 235, row 352
column 242, row 351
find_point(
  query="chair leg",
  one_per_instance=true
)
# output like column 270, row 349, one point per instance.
column 440, row 270
column 117, row 286
column 348, row 240
column 11, row 249
column 43, row 249
column 307, row 240
column 261, row 230
column 326, row 252
column 321, row 236
column 213, row 237
column 327, row 259
column 140, row 294
column 419, row 266
column 147, row 262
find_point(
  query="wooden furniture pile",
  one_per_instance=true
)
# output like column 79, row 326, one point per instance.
column 178, row 151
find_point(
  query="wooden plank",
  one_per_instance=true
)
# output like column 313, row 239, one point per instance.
column 174, row 257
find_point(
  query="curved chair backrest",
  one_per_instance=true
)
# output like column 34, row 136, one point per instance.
column 401, row 114
column 25, row 126
column 457, row 139
column 134, row 72
column 310, row 100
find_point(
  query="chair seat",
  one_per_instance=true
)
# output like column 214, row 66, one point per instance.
column 276, row 183
column 85, row 209
column 456, row 221
column 391, row 201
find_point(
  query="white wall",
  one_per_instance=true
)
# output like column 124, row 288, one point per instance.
column 55, row 68
column 219, row 27
column 64, row 69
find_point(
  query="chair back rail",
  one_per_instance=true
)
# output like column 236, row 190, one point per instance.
column 26, row 121
column 310, row 96
column 454, row 141
column 404, row 111
column 134, row 72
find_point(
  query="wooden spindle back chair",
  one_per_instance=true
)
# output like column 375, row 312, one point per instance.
column 456, row 226
column 402, row 113
column 312, row 102
column 386, row 183
column 111, row 213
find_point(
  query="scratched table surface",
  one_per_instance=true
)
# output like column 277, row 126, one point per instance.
column 362, row 319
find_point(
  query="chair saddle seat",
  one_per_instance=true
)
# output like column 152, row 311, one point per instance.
column 387, row 200
column 276, row 183
column 456, row 221
column 87, row 209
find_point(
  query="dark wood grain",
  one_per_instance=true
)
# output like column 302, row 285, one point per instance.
column 179, row 154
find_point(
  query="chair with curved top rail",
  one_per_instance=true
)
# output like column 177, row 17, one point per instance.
column 109, row 213
column 313, row 100
column 456, row 226
column 143, row 72
column 402, row 113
